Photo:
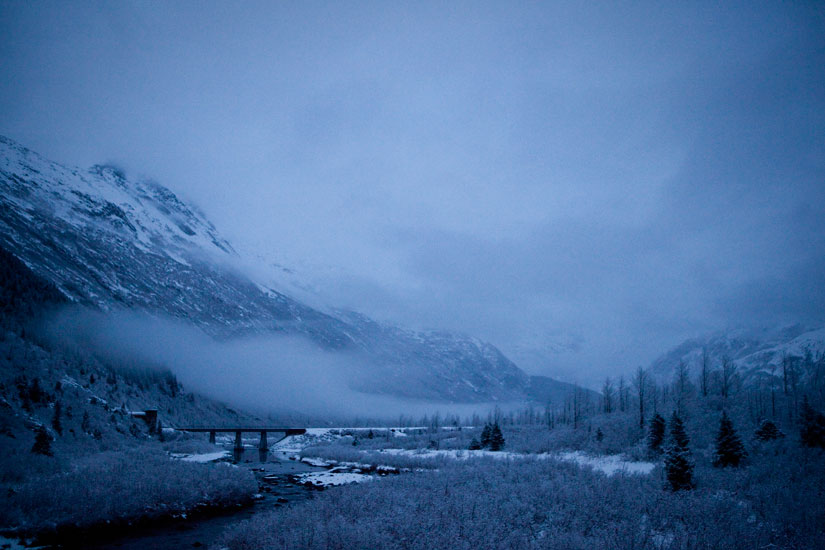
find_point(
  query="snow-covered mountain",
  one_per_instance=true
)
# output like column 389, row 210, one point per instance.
column 758, row 353
column 109, row 242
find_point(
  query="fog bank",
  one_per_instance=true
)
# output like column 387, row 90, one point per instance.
column 269, row 374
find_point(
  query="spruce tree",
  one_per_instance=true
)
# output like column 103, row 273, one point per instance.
column 768, row 431
column 656, row 434
column 812, row 429
column 599, row 435
column 42, row 442
column 475, row 445
column 85, row 424
column 729, row 448
column 485, row 436
column 496, row 438
column 678, row 462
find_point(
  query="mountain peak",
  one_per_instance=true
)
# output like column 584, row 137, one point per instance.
column 110, row 241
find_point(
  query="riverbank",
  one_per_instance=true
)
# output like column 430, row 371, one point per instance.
column 118, row 489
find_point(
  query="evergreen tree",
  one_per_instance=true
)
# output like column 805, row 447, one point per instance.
column 599, row 435
column 42, row 442
column 768, row 431
column 475, row 445
column 729, row 448
column 496, row 438
column 485, row 436
column 656, row 434
column 85, row 424
column 56, row 419
column 812, row 429
column 678, row 462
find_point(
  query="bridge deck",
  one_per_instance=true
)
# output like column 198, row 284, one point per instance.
column 288, row 431
column 263, row 430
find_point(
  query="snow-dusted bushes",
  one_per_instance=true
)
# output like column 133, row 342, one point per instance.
column 120, row 485
column 484, row 504
column 344, row 453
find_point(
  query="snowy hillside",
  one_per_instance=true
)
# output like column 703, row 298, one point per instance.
column 757, row 353
column 108, row 242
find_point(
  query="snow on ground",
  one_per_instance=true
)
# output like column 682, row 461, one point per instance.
column 201, row 458
column 326, row 463
column 294, row 444
column 317, row 462
column 609, row 464
column 456, row 454
column 333, row 478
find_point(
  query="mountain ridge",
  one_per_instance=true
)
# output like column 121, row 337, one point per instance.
column 109, row 242
column 758, row 354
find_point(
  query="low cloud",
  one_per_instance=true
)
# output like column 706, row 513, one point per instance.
column 267, row 374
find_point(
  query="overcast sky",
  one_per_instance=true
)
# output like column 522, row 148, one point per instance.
column 582, row 185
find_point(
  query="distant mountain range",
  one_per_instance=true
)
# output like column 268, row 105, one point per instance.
column 108, row 242
column 757, row 353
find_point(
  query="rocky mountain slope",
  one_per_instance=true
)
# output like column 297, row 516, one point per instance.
column 109, row 242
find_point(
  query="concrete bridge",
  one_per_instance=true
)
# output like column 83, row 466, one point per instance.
column 263, row 445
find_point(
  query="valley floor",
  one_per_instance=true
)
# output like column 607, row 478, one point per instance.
column 450, row 498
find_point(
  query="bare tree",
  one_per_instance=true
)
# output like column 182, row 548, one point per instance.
column 640, row 383
column 681, row 386
column 622, row 394
column 773, row 391
column 704, row 377
column 607, row 395
column 728, row 376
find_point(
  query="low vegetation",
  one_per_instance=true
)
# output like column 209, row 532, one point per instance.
column 118, row 486
column 486, row 503
column 73, row 454
column 737, row 467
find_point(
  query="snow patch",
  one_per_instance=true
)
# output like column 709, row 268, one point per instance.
column 200, row 458
column 609, row 464
column 332, row 478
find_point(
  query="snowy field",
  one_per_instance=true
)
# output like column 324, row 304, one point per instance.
column 374, row 462
column 609, row 464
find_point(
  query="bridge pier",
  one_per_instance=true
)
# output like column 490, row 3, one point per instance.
column 263, row 446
